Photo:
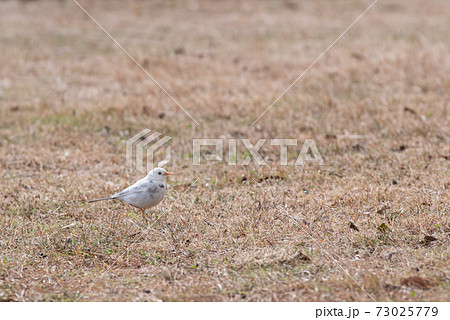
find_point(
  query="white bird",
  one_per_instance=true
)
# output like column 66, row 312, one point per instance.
column 145, row 193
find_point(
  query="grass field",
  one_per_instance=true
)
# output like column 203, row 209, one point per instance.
column 372, row 223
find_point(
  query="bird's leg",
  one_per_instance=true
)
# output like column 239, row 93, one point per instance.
column 143, row 214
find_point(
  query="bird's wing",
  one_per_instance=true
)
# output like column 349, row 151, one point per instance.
column 142, row 186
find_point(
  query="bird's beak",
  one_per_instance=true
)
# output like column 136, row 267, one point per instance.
column 169, row 173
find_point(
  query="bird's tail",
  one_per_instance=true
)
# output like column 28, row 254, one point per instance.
column 95, row 200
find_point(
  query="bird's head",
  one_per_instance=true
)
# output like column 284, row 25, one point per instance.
column 158, row 174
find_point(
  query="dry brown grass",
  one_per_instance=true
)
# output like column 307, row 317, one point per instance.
column 69, row 97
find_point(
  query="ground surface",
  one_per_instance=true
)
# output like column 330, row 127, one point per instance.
column 372, row 222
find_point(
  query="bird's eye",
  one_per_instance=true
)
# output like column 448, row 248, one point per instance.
column 159, row 172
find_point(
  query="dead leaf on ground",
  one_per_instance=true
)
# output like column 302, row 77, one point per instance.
column 428, row 240
column 358, row 56
column 353, row 226
column 406, row 109
column 417, row 282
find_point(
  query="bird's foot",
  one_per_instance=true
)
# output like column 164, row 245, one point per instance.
column 145, row 217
